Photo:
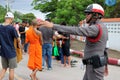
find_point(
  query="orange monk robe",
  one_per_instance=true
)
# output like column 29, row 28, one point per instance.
column 34, row 50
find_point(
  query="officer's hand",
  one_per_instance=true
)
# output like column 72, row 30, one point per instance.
column 46, row 24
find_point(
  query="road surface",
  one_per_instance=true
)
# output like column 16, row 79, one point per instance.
column 59, row 72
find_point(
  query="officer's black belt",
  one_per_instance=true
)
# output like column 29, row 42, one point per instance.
column 96, row 61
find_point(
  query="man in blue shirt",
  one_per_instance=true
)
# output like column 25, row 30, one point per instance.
column 8, row 53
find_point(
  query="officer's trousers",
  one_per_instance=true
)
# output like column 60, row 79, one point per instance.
column 94, row 74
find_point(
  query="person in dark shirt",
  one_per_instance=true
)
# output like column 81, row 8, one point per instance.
column 66, row 47
column 8, row 54
column 22, row 34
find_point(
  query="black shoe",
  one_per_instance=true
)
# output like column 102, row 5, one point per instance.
column 74, row 61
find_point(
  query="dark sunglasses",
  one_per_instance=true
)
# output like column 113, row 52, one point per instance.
column 87, row 13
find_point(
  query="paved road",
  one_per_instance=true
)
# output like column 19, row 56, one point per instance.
column 59, row 72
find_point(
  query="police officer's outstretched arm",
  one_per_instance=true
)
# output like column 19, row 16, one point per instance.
column 81, row 31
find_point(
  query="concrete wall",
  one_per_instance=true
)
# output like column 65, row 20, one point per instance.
column 114, row 35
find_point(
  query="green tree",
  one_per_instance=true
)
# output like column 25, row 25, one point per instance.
column 113, row 11
column 72, row 11
column 2, row 13
column 29, row 17
column 69, row 11
column 18, row 16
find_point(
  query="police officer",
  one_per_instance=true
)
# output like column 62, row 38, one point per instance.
column 96, row 37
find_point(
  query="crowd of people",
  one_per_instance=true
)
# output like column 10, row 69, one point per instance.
column 36, row 39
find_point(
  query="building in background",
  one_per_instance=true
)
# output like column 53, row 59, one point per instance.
column 113, row 25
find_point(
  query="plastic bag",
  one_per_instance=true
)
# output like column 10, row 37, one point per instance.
column 55, row 50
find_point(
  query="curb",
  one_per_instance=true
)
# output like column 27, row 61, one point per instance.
column 112, row 61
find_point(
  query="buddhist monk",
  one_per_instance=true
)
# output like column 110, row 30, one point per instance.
column 34, row 38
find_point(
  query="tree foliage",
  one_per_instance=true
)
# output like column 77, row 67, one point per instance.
column 113, row 11
column 2, row 13
column 18, row 15
column 29, row 17
column 69, row 11
column 72, row 11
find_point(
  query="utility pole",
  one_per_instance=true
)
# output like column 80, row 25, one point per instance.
column 8, row 4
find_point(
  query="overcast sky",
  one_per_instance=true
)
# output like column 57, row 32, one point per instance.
column 23, row 6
